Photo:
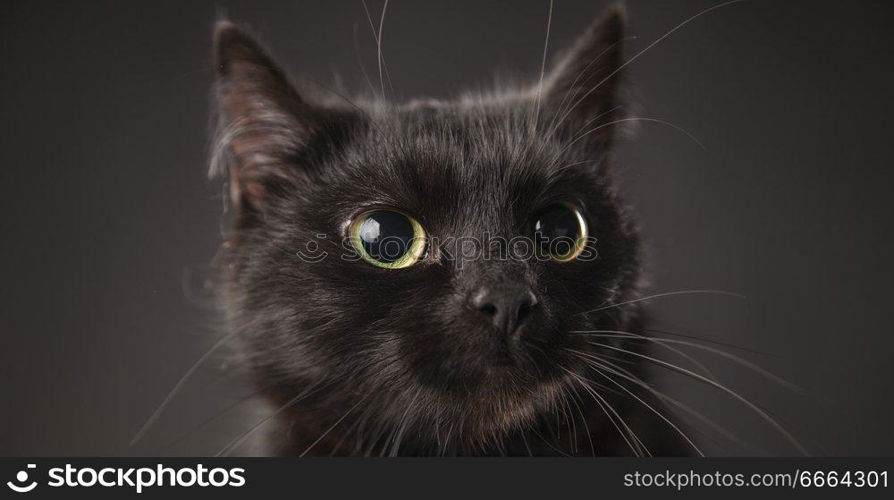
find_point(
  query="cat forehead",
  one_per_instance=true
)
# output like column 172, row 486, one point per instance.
column 473, row 168
column 469, row 139
column 458, row 150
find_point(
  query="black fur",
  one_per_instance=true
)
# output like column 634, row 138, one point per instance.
column 394, row 361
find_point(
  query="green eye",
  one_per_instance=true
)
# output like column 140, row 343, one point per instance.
column 388, row 238
column 560, row 232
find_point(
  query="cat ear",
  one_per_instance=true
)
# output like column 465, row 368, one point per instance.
column 582, row 89
column 262, row 121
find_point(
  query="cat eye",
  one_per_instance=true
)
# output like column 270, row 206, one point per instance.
column 560, row 232
column 387, row 238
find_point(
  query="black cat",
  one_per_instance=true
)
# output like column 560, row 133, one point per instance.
column 437, row 277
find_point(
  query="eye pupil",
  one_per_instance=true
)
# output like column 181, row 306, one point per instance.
column 388, row 238
column 560, row 232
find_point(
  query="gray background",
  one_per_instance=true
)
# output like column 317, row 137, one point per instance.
column 109, row 224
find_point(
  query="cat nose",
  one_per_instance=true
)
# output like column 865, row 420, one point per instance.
column 506, row 308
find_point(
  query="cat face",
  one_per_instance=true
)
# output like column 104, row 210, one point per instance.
column 468, row 319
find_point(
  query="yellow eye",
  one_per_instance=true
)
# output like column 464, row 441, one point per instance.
column 560, row 232
column 388, row 238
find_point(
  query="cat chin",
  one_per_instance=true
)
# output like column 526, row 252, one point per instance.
column 497, row 405
column 497, row 395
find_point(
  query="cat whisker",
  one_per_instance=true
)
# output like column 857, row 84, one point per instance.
column 618, row 334
column 381, row 55
column 549, row 22
column 356, row 430
column 549, row 444
column 559, row 154
column 177, row 388
column 705, row 340
column 528, row 446
column 449, row 433
column 575, row 395
column 207, row 421
column 662, row 295
column 369, row 83
column 573, row 89
column 641, row 52
column 635, row 119
column 567, row 166
column 599, row 370
column 235, row 442
column 569, row 422
column 628, row 375
column 333, row 426
column 558, row 405
column 589, row 131
column 744, row 362
column 402, row 425
column 763, row 414
column 618, row 371
column 636, row 445
column 377, row 35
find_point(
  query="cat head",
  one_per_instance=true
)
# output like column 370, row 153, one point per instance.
column 426, row 263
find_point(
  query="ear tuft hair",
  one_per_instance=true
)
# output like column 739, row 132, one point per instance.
column 262, row 121
column 583, row 87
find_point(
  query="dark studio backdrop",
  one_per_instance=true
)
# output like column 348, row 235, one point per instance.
column 109, row 223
